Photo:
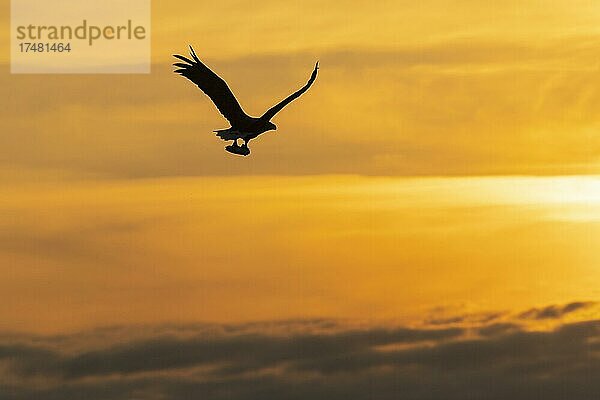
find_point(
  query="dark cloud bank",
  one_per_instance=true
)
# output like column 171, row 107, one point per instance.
column 317, row 359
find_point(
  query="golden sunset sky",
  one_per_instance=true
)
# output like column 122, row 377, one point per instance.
column 424, row 224
column 444, row 160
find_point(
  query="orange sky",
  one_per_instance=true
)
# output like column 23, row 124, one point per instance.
column 425, row 168
column 259, row 248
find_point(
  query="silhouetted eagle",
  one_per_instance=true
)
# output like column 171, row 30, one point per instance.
column 243, row 126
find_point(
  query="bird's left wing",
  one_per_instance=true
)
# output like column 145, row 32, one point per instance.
column 214, row 87
column 278, row 107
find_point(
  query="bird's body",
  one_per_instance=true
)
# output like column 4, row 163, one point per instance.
column 244, row 133
column 243, row 126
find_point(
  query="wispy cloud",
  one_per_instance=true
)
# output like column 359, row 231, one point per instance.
column 555, row 311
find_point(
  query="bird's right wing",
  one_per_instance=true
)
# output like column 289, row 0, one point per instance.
column 279, row 106
column 214, row 87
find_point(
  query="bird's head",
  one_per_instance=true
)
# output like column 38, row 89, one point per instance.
column 271, row 126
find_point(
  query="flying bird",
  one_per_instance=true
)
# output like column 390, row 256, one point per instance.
column 243, row 126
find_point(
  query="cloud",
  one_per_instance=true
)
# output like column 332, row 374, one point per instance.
column 554, row 311
column 244, row 351
column 465, row 318
column 316, row 359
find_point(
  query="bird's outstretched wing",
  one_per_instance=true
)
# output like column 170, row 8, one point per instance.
column 214, row 87
column 278, row 107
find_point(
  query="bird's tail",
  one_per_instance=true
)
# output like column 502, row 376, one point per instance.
column 227, row 134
